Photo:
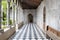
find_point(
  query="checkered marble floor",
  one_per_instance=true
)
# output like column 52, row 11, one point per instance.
column 29, row 32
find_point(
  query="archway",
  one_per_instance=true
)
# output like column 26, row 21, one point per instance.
column 30, row 18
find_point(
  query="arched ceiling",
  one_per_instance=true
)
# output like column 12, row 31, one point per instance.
column 30, row 4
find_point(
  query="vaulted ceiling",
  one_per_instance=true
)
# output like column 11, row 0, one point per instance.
column 30, row 4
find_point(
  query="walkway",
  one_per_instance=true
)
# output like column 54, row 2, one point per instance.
column 29, row 32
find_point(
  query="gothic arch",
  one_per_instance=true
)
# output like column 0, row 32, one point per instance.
column 30, row 18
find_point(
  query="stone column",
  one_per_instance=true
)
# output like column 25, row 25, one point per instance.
column 16, row 12
column 0, row 14
column 16, row 15
column 8, row 12
column 13, row 12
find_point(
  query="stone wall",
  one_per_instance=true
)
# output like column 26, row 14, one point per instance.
column 40, row 15
column 29, row 11
column 53, row 13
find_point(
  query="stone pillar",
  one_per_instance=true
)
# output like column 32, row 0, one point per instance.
column 16, row 15
column 8, row 12
column 13, row 12
column 0, row 14
column 16, row 12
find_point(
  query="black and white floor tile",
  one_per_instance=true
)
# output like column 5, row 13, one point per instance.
column 29, row 32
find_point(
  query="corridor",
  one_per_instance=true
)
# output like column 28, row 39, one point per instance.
column 29, row 31
column 29, row 19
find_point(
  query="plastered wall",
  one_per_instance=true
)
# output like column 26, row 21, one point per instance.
column 52, row 14
column 40, row 15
